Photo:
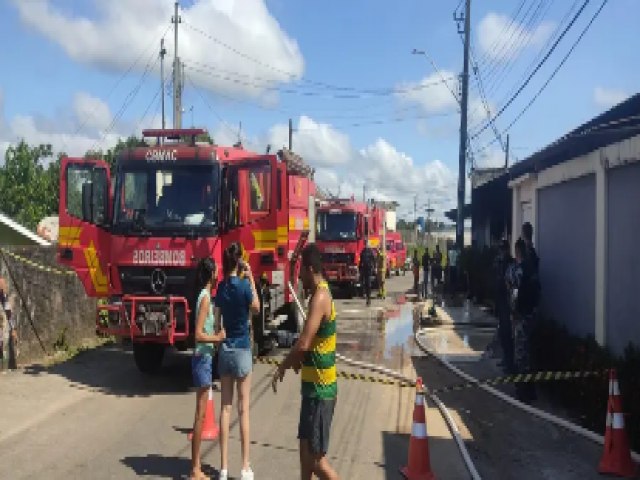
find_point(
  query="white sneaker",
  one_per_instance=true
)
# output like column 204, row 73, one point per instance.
column 246, row 474
column 224, row 475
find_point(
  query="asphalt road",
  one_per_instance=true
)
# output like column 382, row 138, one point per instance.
column 97, row 417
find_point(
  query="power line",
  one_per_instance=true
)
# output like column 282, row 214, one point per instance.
column 518, row 30
column 485, row 57
column 546, row 46
column 128, row 99
column 501, row 74
column 485, row 102
column 357, row 93
column 523, row 86
column 553, row 74
column 115, row 85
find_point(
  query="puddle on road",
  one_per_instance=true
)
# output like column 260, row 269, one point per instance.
column 398, row 332
column 455, row 345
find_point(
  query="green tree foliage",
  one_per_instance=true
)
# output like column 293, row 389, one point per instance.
column 205, row 137
column 29, row 183
column 111, row 155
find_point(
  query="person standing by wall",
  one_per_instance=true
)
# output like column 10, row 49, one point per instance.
column 532, row 255
column 416, row 272
column 436, row 269
column 236, row 300
column 523, row 307
column 452, row 267
column 425, row 272
column 382, row 273
column 502, row 264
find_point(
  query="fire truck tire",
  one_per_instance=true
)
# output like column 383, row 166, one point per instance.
column 148, row 356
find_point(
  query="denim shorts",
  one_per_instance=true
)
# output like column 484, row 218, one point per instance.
column 234, row 362
column 202, row 370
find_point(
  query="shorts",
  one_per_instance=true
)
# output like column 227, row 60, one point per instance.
column 202, row 370
column 234, row 362
column 316, row 415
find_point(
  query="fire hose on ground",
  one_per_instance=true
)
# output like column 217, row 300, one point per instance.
column 451, row 425
column 585, row 433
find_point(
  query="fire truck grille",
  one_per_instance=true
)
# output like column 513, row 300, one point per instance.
column 138, row 281
column 348, row 258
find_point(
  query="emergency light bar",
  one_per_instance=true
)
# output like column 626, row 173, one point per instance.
column 174, row 133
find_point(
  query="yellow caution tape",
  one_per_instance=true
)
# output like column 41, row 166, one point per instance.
column 347, row 375
column 31, row 263
column 522, row 378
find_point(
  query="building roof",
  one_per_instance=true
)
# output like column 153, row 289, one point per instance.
column 23, row 231
column 617, row 124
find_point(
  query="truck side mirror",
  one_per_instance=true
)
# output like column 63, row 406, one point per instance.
column 87, row 202
column 359, row 227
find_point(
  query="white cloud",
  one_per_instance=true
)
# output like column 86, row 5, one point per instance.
column 319, row 143
column 389, row 174
column 124, row 29
column 431, row 93
column 502, row 38
column 491, row 158
column 94, row 112
column 608, row 97
column 82, row 133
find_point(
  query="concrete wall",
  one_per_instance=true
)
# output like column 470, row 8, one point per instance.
column 623, row 268
column 566, row 225
column 58, row 303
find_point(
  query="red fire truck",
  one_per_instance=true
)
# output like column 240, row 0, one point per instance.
column 135, row 239
column 397, row 252
column 343, row 226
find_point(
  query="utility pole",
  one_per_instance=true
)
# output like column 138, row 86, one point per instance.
column 290, row 135
column 506, row 154
column 364, row 193
column 415, row 218
column 177, row 73
column 163, row 52
column 462, row 168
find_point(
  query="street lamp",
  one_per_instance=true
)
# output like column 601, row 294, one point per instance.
column 415, row 51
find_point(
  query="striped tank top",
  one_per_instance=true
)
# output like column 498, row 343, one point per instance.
column 319, row 379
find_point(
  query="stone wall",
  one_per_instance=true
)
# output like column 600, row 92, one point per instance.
column 59, row 308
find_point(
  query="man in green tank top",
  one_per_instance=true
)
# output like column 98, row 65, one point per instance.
column 314, row 354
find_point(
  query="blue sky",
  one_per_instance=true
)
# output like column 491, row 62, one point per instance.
column 260, row 62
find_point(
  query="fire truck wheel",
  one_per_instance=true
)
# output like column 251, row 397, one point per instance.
column 148, row 356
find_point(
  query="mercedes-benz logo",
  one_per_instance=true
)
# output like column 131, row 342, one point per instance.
column 158, row 281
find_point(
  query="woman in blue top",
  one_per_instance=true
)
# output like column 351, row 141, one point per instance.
column 202, row 361
column 236, row 300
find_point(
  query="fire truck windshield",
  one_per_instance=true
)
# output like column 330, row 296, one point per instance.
column 166, row 200
column 336, row 226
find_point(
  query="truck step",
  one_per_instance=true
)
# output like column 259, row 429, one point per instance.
column 275, row 323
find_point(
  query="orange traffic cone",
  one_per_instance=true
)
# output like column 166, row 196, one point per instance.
column 419, row 466
column 616, row 458
column 210, row 428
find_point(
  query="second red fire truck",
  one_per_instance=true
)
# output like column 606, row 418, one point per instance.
column 344, row 226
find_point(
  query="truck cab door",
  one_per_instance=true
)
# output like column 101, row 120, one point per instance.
column 85, row 216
